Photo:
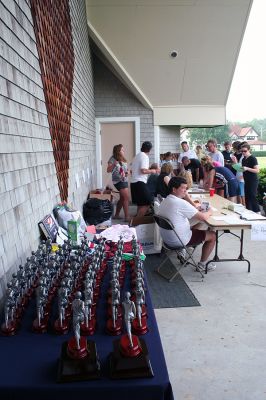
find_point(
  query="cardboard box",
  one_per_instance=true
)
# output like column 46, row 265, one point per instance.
column 141, row 220
column 146, row 236
column 101, row 194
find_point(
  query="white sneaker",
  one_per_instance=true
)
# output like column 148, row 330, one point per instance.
column 202, row 267
column 182, row 256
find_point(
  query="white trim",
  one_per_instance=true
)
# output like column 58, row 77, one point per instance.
column 203, row 115
column 98, row 122
column 157, row 144
column 130, row 83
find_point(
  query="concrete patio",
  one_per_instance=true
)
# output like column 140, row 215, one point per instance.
column 218, row 351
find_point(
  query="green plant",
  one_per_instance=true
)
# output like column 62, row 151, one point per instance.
column 262, row 185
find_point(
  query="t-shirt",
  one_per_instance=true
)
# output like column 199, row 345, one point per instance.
column 151, row 183
column 161, row 187
column 178, row 211
column 119, row 170
column 249, row 162
column 140, row 161
column 193, row 166
column 217, row 156
column 189, row 154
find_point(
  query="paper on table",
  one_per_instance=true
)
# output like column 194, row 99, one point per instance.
column 258, row 230
column 251, row 216
column 230, row 219
column 114, row 232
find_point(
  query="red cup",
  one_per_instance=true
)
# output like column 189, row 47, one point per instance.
column 212, row 191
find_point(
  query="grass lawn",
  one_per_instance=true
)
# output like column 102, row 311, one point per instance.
column 262, row 162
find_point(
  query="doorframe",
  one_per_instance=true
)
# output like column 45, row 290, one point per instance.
column 98, row 123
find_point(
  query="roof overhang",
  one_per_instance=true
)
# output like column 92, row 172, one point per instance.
column 138, row 36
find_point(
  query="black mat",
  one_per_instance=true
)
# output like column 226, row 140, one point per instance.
column 166, row 294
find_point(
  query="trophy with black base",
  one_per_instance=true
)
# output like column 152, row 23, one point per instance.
column 79, row 360
column 130, row 358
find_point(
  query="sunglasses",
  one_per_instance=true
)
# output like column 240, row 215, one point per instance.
column 244, row 151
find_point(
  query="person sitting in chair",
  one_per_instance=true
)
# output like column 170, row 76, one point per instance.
column 179, row 212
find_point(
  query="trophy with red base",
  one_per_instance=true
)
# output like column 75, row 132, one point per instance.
column 79, row 360
column 61, row 325
column 139, row 324
column 41, row 321
column 9, row 327
column 89, row 325
column 114, row 322
column 130, row 358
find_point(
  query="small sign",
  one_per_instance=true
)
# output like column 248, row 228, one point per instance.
column 258, row 231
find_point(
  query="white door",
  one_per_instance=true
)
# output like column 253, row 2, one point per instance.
column 112, row 134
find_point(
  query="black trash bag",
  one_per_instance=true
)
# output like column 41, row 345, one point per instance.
column 96, row 211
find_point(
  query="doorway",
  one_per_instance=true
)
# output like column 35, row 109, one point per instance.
column 112, row 131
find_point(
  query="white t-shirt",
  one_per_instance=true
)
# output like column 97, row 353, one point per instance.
column 189, row 154
column 178, row 211
column 140, row 161
column 217, row 156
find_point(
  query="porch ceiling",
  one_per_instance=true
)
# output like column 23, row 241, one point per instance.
column 138, row 36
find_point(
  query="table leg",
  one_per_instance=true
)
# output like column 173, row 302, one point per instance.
column 240, row 257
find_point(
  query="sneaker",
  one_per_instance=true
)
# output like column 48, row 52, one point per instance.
column 182, row 256
column 202, row 267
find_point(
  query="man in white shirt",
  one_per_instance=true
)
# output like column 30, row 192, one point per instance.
column 140, row 170
column 214, row 153
column 186, row 152
column 179, row 212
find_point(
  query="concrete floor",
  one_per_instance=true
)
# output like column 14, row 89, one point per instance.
column 218, row 351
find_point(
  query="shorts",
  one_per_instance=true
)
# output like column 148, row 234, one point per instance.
column 121, row 185
column 241, row 189
column 232, row 187
column 140, row 194
column 197, row 237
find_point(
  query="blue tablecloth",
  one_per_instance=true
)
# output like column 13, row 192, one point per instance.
column 29, row 364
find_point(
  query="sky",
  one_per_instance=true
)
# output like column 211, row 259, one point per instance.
column 247, row 97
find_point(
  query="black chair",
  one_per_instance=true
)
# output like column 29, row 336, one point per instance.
column 165, row 223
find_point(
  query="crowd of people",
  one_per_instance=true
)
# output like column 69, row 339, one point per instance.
column 233, row 173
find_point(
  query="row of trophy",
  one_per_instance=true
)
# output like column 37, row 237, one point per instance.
column 42, row 276
column 69, row 281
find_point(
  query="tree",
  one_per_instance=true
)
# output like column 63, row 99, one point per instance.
column 202, row 135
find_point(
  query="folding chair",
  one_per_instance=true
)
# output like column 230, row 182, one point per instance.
column 165, row 223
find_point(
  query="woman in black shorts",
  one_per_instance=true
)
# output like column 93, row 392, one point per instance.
column 117, row 164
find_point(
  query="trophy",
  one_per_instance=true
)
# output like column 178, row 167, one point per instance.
column 79, row 360
column 41, row 321
column 129, row 358
column 114, row 322
column 139, row 324
column 9, row 327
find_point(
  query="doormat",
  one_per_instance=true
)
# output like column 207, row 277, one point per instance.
column 166, row 294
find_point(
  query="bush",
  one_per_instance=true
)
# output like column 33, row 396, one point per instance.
column 259, row 153
column 262, row 185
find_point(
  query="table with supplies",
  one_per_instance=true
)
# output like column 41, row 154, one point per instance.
column 225, row 220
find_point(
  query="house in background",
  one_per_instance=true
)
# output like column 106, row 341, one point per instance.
column 249, row 135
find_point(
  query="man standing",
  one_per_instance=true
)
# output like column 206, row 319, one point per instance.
column 140, row 171
column 179, row 212
column 186, row 152
column 227, row 153
column 214, row 153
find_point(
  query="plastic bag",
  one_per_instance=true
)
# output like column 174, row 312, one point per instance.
column 64, row 213
column 96, row 211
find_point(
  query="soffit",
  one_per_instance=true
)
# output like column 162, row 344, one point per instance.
column 138, row 36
